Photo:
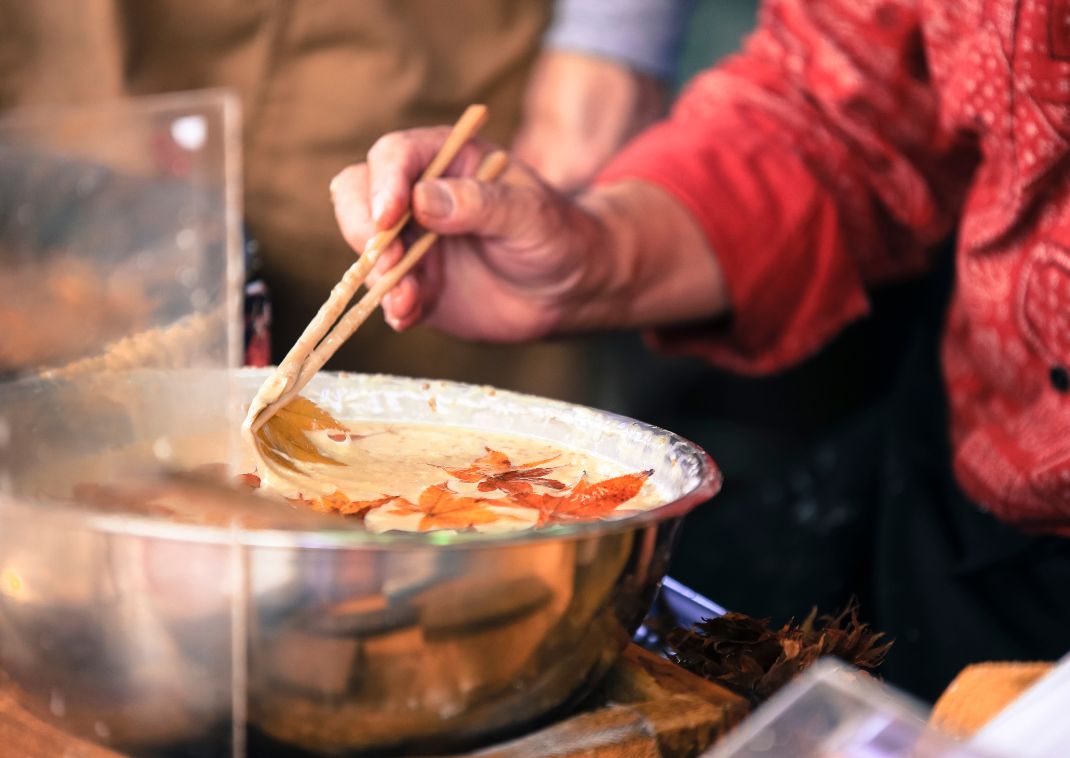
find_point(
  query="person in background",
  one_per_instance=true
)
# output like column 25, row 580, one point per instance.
column 318, row 81
column 832, row 156
column 602, row 77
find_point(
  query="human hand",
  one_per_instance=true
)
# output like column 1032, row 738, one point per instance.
column 514, row 257
column 579, row 110
column 518, row 260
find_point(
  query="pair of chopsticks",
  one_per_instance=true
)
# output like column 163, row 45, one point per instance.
column 319, row 341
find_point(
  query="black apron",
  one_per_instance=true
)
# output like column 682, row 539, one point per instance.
column 952, row 584
column 867, row 507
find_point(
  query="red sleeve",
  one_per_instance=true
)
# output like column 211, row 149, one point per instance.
column 815, row 164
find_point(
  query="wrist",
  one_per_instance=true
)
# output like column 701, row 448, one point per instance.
column 607, row 245
column 646, row 263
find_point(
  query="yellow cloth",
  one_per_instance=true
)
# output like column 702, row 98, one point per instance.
column 980, row 692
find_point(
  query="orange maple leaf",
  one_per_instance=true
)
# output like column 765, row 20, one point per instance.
column 340, row 503
column 252, row 481
column 494, row 471
column 585, row 501
column 442, row 508
column 360, row 507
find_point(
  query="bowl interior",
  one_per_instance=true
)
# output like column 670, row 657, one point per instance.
column 139, row 417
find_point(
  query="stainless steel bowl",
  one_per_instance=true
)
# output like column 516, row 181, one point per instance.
column 141, row 632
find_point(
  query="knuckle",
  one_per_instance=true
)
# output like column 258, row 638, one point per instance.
column 386, row 147
column 351, row 182
column 353, row 173
column 532, row 210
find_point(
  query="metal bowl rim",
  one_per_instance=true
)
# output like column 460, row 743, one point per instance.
column 709, row 484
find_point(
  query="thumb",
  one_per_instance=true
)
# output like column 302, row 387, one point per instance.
column 469, row 206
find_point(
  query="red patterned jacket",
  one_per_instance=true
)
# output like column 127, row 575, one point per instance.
column 845, row 140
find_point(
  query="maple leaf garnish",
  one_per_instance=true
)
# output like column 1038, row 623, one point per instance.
column 359, row 508
column 340, row 503
column 494, row 471
column 252, row 481
column 442, row 508
column 332, row 502
column 585, row 501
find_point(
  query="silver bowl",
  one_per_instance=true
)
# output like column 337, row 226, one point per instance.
column 142, row 633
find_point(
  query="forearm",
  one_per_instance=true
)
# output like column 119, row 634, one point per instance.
column 649, row 263
column 808, row 192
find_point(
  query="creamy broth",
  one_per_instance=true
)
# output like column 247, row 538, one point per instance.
column 396, row 476
column 404, row 460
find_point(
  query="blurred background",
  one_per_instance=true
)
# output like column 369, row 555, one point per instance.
column 320, row 81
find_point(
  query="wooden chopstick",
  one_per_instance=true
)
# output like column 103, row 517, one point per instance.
column 470, row 122
column 278, row 388
column 489, row 170
column 316, row 344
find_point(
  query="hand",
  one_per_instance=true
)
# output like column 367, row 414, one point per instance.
column 519, row 260
column 516, row 251
column 579, row 110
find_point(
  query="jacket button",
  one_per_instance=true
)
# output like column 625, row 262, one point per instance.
column 1060, row 379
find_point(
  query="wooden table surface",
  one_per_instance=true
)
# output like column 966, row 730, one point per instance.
column 26, row 736
column 655, row 710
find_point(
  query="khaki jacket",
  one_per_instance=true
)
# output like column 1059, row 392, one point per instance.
column 319, row 80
